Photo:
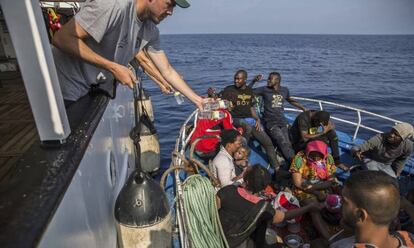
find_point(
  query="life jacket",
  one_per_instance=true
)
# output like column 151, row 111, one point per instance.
column 211, row 127
column 405, row 238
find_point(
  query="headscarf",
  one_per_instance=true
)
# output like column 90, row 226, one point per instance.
column 319, row 166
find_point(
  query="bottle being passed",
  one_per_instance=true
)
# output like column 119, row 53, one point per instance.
column 178, row 97
column 211, row 115
column 215, row 105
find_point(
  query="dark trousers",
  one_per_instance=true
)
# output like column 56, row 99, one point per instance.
column 260, row 136
column 329, row 138
column 280, row 137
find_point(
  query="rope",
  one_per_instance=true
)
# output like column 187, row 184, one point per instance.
column 201, row 213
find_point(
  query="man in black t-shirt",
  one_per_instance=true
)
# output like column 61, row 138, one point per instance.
column 276, row 125
column 244, row 114
column 315, row 125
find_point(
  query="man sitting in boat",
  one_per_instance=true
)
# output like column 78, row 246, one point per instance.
column 315, row 125
column 94, row 47
column 313, row 173
column 387, row 152
column 244, row 215
column 223, row 162
column 244, row 114
column 371, row 202
column 276, row 125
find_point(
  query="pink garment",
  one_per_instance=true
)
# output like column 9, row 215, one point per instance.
column 333, row 203
column 319, row 166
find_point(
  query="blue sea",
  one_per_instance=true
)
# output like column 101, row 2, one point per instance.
column 374, row 73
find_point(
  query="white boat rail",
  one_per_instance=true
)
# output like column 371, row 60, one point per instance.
column 184, row 137
column 180, row 147
column 358, row 111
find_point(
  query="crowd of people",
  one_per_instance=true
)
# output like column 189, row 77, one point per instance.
column 342, row 214
column 94, row 48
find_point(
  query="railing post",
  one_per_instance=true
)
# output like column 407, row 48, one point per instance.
column 320, row 105
column 358, row 125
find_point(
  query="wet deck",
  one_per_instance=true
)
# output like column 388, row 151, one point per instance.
column 17, row 126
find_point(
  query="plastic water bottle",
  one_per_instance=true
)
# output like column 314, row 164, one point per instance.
column 178, row 97
column 211, row 115
column 215, row 105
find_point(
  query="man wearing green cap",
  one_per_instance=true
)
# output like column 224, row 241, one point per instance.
column 95, row 47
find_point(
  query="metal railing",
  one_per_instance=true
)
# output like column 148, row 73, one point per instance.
column 185, row 135
column 358, row 112
column 180, row 146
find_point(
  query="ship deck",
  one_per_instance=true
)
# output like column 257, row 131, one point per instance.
column 17, row 126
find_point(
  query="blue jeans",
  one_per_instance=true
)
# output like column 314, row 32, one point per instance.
column 260, row 136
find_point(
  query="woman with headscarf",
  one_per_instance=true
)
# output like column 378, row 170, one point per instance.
column 313, row 173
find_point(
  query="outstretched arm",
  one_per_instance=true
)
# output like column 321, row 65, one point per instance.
column 314, row 189
column 282, row 216
column 295, row 103
column 255, row 79
column 69, row 39
column 170, row 74
column 151, row 70
column 357, row 151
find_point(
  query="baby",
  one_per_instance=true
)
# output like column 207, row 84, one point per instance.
column 241, row 161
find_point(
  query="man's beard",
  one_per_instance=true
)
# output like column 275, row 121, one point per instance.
column 349, row 221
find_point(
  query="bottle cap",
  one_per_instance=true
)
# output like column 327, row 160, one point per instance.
column 215, row 115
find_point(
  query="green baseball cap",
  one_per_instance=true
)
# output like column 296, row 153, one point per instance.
column 182, row 3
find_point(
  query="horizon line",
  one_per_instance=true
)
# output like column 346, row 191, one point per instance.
column 351, row 34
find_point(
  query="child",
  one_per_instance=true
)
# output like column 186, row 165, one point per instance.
column 241, row 161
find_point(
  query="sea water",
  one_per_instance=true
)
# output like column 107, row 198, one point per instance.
column 372, row 72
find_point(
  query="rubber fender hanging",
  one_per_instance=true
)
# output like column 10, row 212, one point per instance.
column 144, row 102
column 142, row 213
column 147, row 126
column 150, row 153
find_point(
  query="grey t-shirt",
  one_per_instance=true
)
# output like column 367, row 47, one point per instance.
column 116, row 34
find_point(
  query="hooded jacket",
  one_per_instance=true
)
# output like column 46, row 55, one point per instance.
column 376, row 149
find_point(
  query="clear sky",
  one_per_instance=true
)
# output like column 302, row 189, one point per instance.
column 293, row 17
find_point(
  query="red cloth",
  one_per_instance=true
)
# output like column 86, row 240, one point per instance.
column 317, row 146
column 210, row 127
column 286, row 202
